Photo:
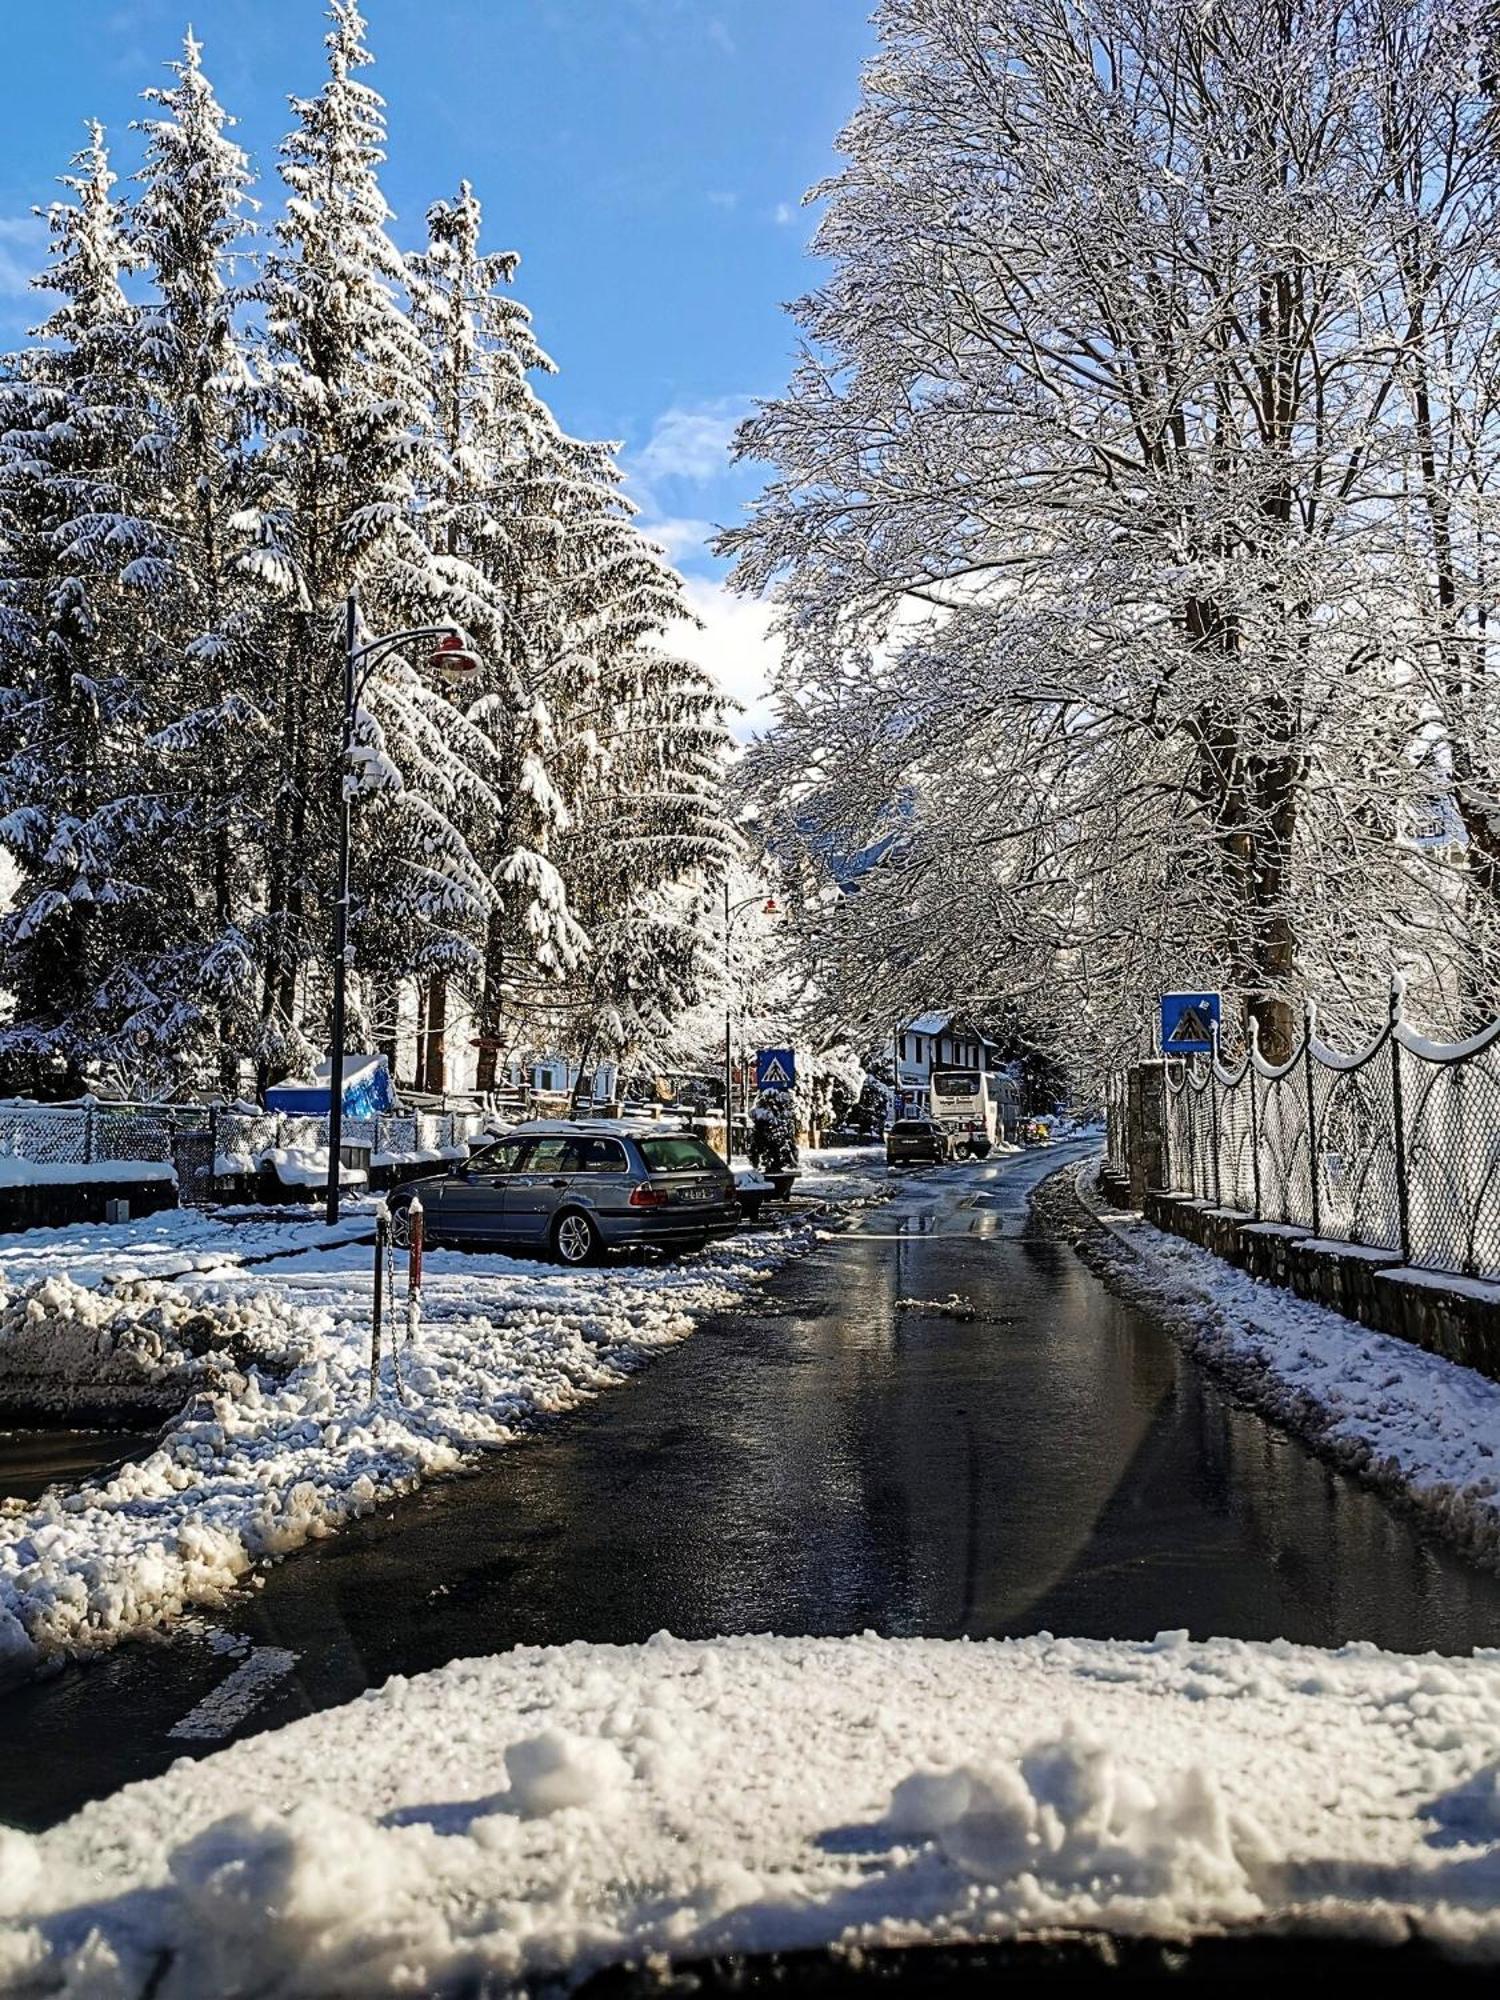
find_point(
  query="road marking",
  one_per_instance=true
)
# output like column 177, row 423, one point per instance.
column 232, row 1700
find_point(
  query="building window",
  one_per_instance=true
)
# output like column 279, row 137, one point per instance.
column 906, row 1048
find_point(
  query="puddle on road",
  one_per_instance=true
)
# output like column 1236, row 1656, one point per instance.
column 33, row 1460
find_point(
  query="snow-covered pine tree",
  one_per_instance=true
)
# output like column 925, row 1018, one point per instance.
column 84, row 562
column 644, row 750
column 350, row 447
column 492, row 537
column 211, row 737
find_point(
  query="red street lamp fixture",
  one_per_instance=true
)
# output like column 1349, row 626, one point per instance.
column 770, row 907
column 452, row 661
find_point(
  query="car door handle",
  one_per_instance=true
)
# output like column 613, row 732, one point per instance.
column 559, row 1184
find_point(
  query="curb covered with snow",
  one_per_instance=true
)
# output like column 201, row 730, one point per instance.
column 255, row 1468
column 1422, row 1429
column 549, row 1812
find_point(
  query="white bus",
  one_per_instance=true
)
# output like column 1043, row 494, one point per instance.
column 963, row 1105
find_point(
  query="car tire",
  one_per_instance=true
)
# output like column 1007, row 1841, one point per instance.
column 401, row 1226
column 575, row 1240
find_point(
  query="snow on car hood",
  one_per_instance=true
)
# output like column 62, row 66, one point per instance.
column 551, row 1811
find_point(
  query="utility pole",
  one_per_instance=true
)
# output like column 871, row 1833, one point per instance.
column 728, row 1033
column 453, row 661
column 341, row 922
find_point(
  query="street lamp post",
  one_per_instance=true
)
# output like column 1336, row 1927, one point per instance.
column 453, row 660
column 768, row 908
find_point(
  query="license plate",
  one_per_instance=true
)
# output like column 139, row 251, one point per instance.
column 697, row 1194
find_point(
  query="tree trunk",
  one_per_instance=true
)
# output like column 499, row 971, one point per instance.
column 435, row 1072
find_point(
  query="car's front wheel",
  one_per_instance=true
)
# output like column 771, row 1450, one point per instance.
column 401, row 1226
column 576, row 1240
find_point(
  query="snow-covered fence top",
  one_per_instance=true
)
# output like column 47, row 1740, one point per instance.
column 1397, row 1147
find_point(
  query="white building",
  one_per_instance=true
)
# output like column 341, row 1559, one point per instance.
column 946, row 1040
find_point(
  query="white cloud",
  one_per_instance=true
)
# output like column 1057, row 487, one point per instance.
column 684, row 539
column 785, row 214
column 735, row 646
column 23, row 241
column 692, row 441
column 726, row 201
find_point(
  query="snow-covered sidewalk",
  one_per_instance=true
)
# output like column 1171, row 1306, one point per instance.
column 552, row 1811
column 274, row 1454
column 1420, row 1427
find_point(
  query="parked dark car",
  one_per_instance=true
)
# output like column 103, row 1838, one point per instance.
column 578, row 1188
column 911, row 1141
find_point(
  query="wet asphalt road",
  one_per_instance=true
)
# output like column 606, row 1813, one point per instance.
column 827, row 1460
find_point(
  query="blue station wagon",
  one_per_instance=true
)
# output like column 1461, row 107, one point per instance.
column 577, row 1188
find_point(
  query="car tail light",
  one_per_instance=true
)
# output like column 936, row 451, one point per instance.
column 646, row 1196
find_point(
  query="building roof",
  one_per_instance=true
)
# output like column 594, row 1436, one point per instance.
column 939, row 1023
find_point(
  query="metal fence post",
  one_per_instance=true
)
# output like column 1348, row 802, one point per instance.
column 1403, row 1197
column 88, row 1136
column 1308, row 1019
column 1254, row 1113
column 1168, row 1178
column 1213, row 1114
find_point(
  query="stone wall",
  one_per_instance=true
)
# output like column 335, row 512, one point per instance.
column 1456, row 1317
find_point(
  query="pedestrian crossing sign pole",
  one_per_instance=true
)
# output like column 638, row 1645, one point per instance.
column 1190, row 1023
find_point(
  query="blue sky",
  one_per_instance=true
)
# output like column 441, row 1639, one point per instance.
column 646, row 157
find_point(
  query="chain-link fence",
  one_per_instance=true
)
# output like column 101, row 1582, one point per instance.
column 1397, row 1147
column 85, row 1135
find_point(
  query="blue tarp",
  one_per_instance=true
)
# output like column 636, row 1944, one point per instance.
column 367, row 1089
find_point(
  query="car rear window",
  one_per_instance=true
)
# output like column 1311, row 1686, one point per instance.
column 911, row 1128
column 678, row 1154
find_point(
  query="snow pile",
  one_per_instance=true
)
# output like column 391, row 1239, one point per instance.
column 255, row 1467
column 1070, row 1818
column 171, row 1241
column 16, row 1172
column 552, row 1811
column 307, row 1166
column 1408, row 1421
column 66, row 1349
column 955, row 1306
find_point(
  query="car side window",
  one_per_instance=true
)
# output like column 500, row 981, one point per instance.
column 503, row 1158
column 553, row 1156
column 601, row 1156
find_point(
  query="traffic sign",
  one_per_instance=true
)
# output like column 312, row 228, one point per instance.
column 775, row 1069
column 1189, row 1023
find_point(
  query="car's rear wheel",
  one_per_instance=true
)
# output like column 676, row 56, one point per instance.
column 575, row 1239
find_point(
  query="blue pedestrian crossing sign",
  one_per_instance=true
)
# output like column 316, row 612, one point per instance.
column 775, row 1069
column 1189, row 1023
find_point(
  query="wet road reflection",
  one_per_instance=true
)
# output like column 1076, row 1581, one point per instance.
column 32, row 1460
column 851, row 1455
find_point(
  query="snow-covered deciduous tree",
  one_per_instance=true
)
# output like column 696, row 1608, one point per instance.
column 1131, row 515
